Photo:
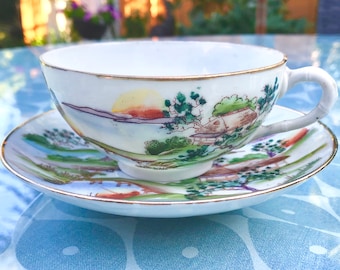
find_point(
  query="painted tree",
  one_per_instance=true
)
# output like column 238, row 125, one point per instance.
column 57, row 138
column 185, row 111
column 270, row 147
column 269, row 96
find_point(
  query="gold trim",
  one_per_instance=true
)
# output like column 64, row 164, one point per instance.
column 42, row 187
column 176, row 78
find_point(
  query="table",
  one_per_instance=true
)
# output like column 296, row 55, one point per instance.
column 297, row 230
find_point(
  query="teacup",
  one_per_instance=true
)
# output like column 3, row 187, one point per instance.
column 165, row 110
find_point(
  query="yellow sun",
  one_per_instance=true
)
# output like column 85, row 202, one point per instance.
column 141, row 98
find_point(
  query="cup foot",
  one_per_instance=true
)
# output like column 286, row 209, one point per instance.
column 166, row 175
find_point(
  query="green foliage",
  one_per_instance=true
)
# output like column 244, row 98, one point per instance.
column 270, row 147
column 55, row 37
column 155, row 147
column 228, row 140
column 181, row 109
column 88, row 161
column 77, row 13
column 64, row 137
column 233, row 103
column 182, row 105
column 135, row 24
column 247, row 157
column 269, row 91
column 203, row 189
column 10, row 25
column 41, row 140
column 56, row 139
column 262, row 175
column 106, row 14
column 239, row 16
column 193, row 154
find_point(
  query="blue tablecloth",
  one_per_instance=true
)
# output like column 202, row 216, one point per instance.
column 298, row 230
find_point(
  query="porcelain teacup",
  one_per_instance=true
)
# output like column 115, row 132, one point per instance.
column 165, row 110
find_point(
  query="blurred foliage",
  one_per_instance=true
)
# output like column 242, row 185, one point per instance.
column 10, row 36
column 135, row 25
column 8, row 10
column 10, row 24
column 238, row 16
column 55, row 37
column 207, row 17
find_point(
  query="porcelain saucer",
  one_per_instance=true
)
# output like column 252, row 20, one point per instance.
column 49, row 156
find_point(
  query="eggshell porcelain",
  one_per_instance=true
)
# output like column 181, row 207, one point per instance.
column 45, row 153
column 168, row 109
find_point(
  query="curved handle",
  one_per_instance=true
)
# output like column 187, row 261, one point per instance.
column 328, row 98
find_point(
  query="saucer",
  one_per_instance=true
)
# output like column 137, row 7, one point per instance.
column 49, row 156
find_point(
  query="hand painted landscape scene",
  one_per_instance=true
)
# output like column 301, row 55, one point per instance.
column 56, row 156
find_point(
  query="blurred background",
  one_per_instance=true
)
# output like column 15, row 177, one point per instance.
column 40, row 22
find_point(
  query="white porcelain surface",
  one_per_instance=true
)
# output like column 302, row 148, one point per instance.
column 162, row 59
column 46, row 154
column 166, row 107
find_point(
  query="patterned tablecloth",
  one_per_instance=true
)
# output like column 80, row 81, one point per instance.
column 297, row 230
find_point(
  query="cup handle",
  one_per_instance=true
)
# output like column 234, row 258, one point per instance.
column 328, row 98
